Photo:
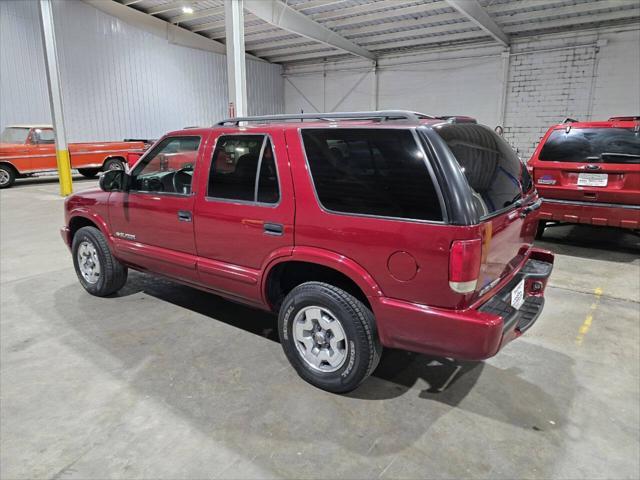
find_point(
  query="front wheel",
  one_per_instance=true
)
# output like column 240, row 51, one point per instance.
column 329, row 336
column 99, row 272
column 7, row 176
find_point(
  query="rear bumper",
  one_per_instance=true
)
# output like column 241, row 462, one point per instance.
column 473, row 334
column 606, row 214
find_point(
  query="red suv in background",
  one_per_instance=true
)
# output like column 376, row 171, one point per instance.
column 589, row 172
column 359, row 230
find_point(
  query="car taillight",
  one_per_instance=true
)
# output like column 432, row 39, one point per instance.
column 464, row 265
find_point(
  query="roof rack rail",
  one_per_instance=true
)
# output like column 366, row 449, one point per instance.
column 569, row 120
column 382, row 115
column 625, row 118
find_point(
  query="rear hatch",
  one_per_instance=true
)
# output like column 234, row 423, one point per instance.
column 503, row 196
column 590, row 162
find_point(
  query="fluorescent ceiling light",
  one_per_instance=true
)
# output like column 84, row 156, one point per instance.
column 187, row 9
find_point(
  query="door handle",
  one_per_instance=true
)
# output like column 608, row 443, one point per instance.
column 273, row 228
column 184, row 216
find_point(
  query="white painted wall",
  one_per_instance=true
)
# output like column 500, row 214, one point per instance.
column 588, row 75
column 118, row 81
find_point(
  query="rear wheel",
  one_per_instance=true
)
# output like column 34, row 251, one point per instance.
column 329, row 336
column 88, row 172
column 114, row 164
column 7, row 176
column 99, row 272
column 540, row 230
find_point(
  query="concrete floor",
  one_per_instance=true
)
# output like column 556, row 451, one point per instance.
column 168, row 382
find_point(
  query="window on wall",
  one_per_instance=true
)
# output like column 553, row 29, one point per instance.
column 168, row 167
column 243, row 168
column 372, row 172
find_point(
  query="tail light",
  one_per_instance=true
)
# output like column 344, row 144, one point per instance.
column 464, row 265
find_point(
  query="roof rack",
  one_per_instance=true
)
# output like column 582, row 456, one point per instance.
column 458, row 119
column 382, row 116
column 569, row 120
column 626, row 118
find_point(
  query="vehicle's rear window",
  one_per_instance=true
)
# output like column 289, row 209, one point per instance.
column 380, row 172
column 592, row 145
column 495, row 174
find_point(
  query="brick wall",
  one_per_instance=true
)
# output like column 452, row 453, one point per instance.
column 545, row 87
column 587, row 76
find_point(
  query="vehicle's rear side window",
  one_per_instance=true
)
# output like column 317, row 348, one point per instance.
column 592, row 145
column 493, row 170
column 234, row 169
column 379, row 172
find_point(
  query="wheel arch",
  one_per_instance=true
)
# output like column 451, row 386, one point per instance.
column 317, row 264
column 79, row 219
column 12, row 166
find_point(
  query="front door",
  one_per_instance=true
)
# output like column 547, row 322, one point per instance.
column 153, row 221
column 246, row 216
column 42, row 149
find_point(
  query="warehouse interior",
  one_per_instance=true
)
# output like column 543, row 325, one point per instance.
column 161, row 380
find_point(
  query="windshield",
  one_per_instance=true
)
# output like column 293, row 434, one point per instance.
column 592, row 145
column 14, row 135
column 493, row 170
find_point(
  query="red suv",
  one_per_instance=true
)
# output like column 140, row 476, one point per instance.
column 360, row 230
column 589, row 172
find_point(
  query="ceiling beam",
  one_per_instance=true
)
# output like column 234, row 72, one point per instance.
column 474, row 12
column 165, row 7
column 277, row 13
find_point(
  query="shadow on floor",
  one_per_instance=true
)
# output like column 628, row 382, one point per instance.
column 240, row 390
column 587, row 241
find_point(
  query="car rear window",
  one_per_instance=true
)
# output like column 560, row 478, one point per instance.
column 493, row 170
column 380, row 172
column 592, row 145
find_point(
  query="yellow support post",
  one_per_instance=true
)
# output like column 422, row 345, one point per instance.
column 64, row 172
column 55, row 96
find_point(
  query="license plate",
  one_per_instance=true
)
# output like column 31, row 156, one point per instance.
column 517, row 295
column 592, row 179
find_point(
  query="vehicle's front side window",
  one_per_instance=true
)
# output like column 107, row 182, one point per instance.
column 43, row 136
column 493, row 170
column 379, row 172
column 243, row 168
column 168, row 168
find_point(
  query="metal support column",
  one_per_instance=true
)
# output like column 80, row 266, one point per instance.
column 55, row 96
column 236, row 70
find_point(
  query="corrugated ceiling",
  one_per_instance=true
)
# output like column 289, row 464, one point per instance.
column 388, row 26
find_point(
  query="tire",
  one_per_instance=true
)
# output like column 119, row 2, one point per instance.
column 89, row 243
column 113, row 164
column 353, row 358
column 88, row 172
column 540, row 229
column 7, row 176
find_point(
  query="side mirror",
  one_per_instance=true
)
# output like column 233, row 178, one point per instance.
column 114, row 181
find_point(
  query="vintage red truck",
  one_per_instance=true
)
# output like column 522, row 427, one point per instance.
column 589, row 173
column 359, row 230
column 29, row 149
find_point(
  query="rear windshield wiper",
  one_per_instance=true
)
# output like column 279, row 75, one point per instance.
column 614, row 154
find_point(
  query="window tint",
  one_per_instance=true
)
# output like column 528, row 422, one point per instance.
column 234, row 170
column 493, row 170
column 373, row 172
column 168, row 167
column 592, row 145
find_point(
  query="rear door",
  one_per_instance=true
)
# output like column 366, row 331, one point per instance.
column 503, row 193
column 245, row 215
column 590, row 163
